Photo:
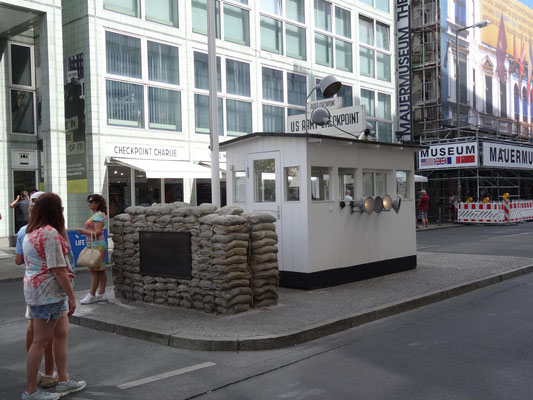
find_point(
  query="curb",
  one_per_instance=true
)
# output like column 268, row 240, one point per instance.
column 270, row 342
column 20, row 278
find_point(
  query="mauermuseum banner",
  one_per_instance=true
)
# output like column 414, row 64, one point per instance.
column 456, row 155
column 403, row 34
column 507, row 156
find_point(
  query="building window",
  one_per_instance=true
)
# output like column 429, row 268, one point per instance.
column 283, row 95
column 22, row 93
column 239, row 185
column 320, row 187
column 379, row 116
column 157, row 88
column 162, row 11
column 374, row 50
column 128, row 7
column 163, row 63
column 282, row 27
column 292, row 183
column 234, row 99
column 474, row 95
column 524, row 104
column 236, row 20
column 333, row 43
column 382, row 5
column 516, row 94
column 503, row 100
column 488, row 94
column 345, row 93
column 123, row 55
column 460, row 12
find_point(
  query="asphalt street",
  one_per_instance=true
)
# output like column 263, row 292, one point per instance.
column 474, row 346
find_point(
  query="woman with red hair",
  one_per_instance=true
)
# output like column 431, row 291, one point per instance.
column 48, row 290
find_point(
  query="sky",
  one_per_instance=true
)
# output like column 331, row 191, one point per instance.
column 528, row 3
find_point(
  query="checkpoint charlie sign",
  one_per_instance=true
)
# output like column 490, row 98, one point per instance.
column 351, row 119
column 449, row 156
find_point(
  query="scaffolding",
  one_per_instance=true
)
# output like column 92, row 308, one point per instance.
column 429, row 126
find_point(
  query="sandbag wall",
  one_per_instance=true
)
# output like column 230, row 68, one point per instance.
column 234, row 258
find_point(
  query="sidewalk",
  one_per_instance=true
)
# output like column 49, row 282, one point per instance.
column 302, row 316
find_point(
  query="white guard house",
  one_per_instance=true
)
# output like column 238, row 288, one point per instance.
column 308, row 182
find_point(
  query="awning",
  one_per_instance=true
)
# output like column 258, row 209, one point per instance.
column 166, row 169
column 421, row 178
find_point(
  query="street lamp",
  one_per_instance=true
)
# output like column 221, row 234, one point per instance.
column 329, row 86
column 481, row 24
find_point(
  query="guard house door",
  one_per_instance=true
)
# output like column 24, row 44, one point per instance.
column 264, row 187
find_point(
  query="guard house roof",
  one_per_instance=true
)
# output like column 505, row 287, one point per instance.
column 226, row 143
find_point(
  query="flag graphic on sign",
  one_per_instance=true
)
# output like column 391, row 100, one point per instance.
column 465, row 159
column 426, row 162
column 442, row 161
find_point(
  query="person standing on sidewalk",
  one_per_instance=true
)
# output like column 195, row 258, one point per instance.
column 49, row 378
column 21, row 205
column 94, row 230
column 48, row 290
column 423, row 207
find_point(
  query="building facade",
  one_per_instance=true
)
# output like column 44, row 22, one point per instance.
column 492, row 110
column 135, row 83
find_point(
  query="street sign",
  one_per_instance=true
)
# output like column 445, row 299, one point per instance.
column 350, row 119
column 78, row 243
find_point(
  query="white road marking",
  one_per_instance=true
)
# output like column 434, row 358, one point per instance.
column 512, row 234
column 166, row 375
column 427, row 247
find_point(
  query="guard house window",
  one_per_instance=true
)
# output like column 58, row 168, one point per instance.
column 402, row 184
column 234, row 96
column 162, row 11
column 283, row 94
column 265, row 181
column 488, row 94
column 374, row 50
column 380, row 117
column 283, row 29
column 368, row 184
column 320, row 187
column 382, row 5
column 22, row 89
column 156, row 87
column 292, row 183
column 128, row 7
column 374, row 183
column 333, row 36
column 235, row 17
column 503, row 100
column 460, row 12
column 239, row 186
column 346, row 184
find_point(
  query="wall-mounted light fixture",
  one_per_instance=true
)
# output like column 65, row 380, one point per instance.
column 329, row 86
column 377, row 204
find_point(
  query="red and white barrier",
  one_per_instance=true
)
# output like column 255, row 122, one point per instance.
column 495, row 213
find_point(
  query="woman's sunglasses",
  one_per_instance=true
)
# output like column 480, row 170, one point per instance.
column 91, row 201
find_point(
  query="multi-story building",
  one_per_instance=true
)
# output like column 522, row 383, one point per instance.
column 135, row 78
column 490, row 116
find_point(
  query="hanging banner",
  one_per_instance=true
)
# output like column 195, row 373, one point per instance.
column 449, row 156
column 403, row 34
column 507, row 156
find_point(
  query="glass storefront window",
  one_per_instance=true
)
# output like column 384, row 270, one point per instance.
column 21, row 65
column 119, row 189
column 173, row 190
column 147, row 191
column 22, row 112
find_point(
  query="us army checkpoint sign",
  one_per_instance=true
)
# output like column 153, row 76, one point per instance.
column 350, row 119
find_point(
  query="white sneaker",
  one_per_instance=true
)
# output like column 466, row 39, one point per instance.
column 101, row 298
column 88, row 299
column 71, row 386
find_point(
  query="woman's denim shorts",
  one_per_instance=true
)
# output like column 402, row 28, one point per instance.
column 48, row 311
